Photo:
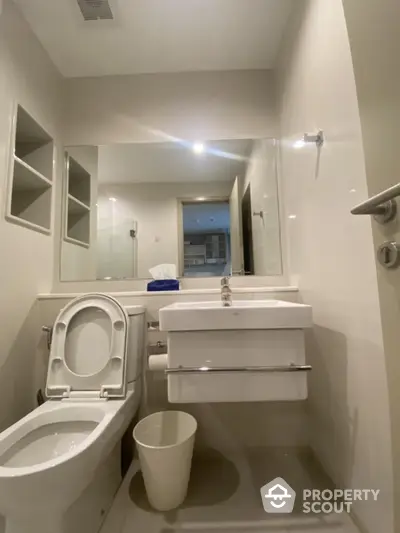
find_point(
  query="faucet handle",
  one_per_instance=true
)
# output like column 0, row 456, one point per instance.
column 225, row 281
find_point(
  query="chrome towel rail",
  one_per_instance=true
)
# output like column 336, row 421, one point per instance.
column 382, row 206
column 237, row 369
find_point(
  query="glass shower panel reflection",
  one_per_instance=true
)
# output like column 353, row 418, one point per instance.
column 116, row 242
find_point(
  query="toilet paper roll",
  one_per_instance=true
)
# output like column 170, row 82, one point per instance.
column 158, row 362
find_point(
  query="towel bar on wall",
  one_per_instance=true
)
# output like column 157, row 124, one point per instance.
column 237, row 369
column 382, row 206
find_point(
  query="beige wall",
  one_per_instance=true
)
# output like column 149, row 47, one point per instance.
column 26, row 261
column 374, row 29
column 155, row 209
column 145, row 108
column 262, row 177
column 331, row 254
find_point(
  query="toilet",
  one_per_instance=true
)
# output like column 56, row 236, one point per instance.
column 49, row 458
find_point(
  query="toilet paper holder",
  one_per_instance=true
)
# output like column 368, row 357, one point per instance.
column 158, row 344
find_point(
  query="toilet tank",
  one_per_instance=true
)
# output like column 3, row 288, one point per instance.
column 136, row 341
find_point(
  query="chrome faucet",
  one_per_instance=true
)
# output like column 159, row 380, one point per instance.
column 226, row 292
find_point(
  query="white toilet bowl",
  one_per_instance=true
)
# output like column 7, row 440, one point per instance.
column 48, row 458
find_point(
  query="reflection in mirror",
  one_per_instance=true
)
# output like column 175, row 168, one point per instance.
column 198, row 209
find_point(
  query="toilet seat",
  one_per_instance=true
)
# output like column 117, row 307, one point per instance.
column 88, row 351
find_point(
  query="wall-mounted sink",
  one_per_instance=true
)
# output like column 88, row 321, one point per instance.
column 251, row 351
column 243, row 314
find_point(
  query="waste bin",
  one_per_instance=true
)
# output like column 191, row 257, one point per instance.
column 165, row 444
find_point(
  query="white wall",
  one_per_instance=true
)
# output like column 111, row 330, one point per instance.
column 78, row 262
column 262, row 177
column 145, row 108
column 375, row 41
column 154, row 207
column 331, row 257
column 26, row 261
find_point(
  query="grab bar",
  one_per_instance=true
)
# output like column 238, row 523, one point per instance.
column 383, row 205
column 237, row 369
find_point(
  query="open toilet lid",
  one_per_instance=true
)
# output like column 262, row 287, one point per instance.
column 88, row 350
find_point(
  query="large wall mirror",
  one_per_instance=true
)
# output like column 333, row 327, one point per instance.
column 198, row 209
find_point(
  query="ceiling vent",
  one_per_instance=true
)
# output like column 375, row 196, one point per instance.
column 95, row 9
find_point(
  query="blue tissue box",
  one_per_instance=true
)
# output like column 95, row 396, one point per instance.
column 163, row 285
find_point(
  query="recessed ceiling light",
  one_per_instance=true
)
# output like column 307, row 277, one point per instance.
column 112, row 199
column 198, row 148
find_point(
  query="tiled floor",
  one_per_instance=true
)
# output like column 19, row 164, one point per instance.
column 224, row 496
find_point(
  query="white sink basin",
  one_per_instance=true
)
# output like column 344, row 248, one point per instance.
column 243, row 314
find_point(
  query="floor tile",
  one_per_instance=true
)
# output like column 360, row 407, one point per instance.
column 224, row 497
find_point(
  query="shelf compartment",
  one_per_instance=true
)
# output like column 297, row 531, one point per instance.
column 78, row 225
column 78, row 181
column 75, row 206
column 33, row 144
column 32, row 206
column 77, row 242
column 77, row 202
column 29, row 199
column 26, row 224
column 27, row 178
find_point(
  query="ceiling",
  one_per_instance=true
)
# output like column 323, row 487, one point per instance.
column 201, row 217
column 173, row 162
column 149, row 36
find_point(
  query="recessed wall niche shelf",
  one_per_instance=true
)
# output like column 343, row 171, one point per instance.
column 31, row 175
column 77, row 203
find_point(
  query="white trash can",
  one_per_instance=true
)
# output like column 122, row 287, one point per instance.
column 165, row 443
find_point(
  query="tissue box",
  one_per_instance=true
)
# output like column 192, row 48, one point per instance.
column 163, row 285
